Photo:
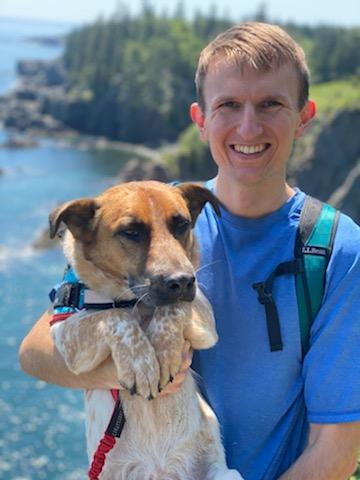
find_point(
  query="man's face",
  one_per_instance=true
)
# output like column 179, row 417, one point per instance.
column 250, row 121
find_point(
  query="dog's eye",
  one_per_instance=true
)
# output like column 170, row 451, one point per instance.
column 130, row 234
column 180, row 227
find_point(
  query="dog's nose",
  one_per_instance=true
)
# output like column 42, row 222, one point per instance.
column 166, row 289
column 179, row 284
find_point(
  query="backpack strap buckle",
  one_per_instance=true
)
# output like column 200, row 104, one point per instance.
column 272, row 318
column 264, row 296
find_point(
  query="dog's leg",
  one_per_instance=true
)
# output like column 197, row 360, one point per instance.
column 200, row 324
column 81, row 341
column 86, row 340
column 134, row 356
column 166, row 334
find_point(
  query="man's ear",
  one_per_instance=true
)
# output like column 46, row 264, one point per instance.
column 198, row 117
column 196, row 196
column 77, row 215
column 307, row 114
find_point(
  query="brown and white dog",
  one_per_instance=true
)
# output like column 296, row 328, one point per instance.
column 135, row 241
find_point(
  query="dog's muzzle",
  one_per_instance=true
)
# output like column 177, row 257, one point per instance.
column 169, row 289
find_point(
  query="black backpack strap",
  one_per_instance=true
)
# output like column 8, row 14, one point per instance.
column 265, row 297
column 313, row 247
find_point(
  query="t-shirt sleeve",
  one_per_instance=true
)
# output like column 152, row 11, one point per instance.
column 331, row 367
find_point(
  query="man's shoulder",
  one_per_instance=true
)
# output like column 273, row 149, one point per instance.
column 344, row 265
column 347, row 237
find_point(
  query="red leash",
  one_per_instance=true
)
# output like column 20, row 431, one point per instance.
column 108, row 441
column 114, row 428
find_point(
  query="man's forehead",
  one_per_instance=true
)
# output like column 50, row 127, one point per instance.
column 227, row 78
column 243, row 65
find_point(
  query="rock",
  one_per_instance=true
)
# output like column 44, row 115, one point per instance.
column 327, row 169
column 26, row 93
column 26, row 115
column 20, row 142
column 347, row 198
column 29, row 68
column 44, row 242
column 39, row 72
column 50, row 41
column 136, row 169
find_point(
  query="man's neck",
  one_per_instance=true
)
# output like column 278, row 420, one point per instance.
column 252, row 201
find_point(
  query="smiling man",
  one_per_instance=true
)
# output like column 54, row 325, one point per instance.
column 283, row 414
column 286, row 413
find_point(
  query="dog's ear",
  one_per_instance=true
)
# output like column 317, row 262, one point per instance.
column 77, row 216
column 196, row 196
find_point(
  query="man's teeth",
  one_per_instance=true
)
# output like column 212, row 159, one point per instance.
column 250, row 149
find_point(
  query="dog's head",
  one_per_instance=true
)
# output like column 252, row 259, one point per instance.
column 135, row 240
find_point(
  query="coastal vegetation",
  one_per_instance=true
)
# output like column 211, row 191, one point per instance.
column 130, row 78
column 336, row 95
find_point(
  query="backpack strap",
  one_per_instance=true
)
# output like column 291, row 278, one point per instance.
column 313, row 248
column 265, row 297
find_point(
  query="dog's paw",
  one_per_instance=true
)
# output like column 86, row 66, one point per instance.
column 139, row 375
column 134, row 358
column 166, row 336
column 169, row 358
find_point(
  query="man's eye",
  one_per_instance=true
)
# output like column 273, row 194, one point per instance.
column 230, row 105
column 270, row 104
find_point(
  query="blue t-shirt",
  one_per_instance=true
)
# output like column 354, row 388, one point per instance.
column 265, row 400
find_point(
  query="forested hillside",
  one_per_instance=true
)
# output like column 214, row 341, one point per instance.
column 131, row 78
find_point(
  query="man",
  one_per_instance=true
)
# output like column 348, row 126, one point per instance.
column 282, row 416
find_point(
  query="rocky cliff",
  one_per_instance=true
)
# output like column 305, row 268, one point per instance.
column 327, row 163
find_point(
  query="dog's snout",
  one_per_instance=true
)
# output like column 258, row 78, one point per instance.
column 166, row 289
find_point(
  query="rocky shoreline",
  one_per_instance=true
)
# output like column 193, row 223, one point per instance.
column 37, row 107
column 22, row 109
column 324, row 163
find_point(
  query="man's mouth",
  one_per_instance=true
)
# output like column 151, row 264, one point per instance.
column 250, row 149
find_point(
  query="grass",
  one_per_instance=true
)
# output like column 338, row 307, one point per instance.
column 336, row 95
column 356, row 475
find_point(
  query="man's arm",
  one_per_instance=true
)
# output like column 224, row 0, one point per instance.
column 39, row 358
column 331, row 454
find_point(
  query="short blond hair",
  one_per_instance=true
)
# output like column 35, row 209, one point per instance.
column 260, row 46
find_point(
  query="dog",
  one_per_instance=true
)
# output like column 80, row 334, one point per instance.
column 134, row 242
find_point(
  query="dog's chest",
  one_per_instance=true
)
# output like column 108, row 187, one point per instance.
column 157, row 441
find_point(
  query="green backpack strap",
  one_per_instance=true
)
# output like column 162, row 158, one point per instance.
column 313, row 247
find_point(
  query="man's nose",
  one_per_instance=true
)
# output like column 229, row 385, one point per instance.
column 249, row 123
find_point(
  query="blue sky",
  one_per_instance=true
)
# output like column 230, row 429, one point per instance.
column 340, row 12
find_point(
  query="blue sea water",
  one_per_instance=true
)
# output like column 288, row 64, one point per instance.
column 41, row 426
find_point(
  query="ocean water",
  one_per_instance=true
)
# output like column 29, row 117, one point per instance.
column 41, row 426
column 14, row 44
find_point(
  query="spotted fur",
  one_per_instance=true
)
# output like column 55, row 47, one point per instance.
column 135, row 241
